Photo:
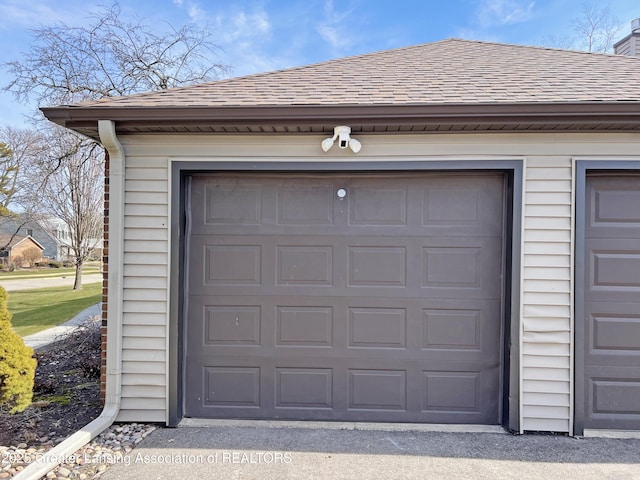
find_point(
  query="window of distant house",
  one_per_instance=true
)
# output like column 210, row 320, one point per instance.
column 30, row 231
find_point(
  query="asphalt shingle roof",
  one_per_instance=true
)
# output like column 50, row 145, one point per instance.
column 450, row 85
column 12, row 240
column 448, row 71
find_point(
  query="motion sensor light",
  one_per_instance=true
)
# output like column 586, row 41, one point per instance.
column 327, row 143
column 343, row 135
column 355, row 145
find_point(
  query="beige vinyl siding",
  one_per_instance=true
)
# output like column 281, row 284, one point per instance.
column 546, row 323
column 546, row 295
column 145, row 283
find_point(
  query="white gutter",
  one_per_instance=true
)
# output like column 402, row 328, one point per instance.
column 113, row 388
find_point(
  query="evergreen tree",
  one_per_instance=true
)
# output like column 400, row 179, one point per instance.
column 17, row 364
column 8, row 174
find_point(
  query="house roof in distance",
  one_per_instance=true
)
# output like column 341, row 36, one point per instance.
column 13, row 240
column 498, row 85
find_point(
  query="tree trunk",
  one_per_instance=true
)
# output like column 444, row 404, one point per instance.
column 78, row 282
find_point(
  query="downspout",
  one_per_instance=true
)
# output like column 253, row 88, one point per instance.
column 113, row 388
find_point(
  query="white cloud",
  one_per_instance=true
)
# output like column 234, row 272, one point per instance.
column 244, row 36
column 17, row 13
column 334, row 28
column 243, row 26
column 331, row 35
column 472, row 34
column 504, row 12
column 196, row 14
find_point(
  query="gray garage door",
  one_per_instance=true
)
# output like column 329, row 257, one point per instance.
column 612, row 303
column 370, row 298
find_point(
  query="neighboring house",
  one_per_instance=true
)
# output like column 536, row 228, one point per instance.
column 58, row 231
column 63, row 236
column 52, row 234
column 14, row 247
column 630, row 45
column 476, row 261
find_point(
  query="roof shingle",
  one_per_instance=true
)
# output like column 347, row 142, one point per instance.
column 450, row 85
column 448, row 71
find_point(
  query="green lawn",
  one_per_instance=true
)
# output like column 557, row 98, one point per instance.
column 36, row 310
column 48, row 272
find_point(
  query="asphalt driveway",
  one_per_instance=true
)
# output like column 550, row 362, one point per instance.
column 225, row 452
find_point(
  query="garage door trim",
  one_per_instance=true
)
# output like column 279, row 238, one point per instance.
column 583, row 168
column 181, row 169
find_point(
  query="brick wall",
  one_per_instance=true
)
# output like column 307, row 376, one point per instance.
column 18, row 250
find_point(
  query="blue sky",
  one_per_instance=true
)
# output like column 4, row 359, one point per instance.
column 263, row 35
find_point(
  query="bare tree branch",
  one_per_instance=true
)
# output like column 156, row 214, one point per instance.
column 108, row 57
column 18, row 187
column 73, row 193
column 111, row 57
column 596, row 28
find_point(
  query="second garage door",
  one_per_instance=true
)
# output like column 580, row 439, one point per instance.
column 368, row 298
column 610, row 324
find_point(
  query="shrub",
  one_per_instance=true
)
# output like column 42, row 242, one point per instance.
column 31, row 255
column 18, row 261
column 48, row 263
column 17, row 364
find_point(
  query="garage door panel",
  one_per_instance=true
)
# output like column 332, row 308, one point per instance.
column 616, row 334
column 465, row 328
column 404, row 394
column 452, row 391
column 613, row 269
column 612, row 398
column 612, row 207
column 305, row 205
column 453, row 329
column 384, row 304
column 612, row 335
column 232, row 386
column 304, row 265
column 616, row 396
column 611, row 309
column 226, row 203
column 231, row 325
column 232, row 265
column 376, row 205
column 304, row 387
column 371, row 327
column 466, row 271
column 371, row 389
column 304, row 326
column 455, row 202
column 445, row 206
column 407, row 266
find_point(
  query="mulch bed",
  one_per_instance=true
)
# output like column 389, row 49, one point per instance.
column 66, row 391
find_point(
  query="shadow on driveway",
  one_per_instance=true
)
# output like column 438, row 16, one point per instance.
column 297, row 453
